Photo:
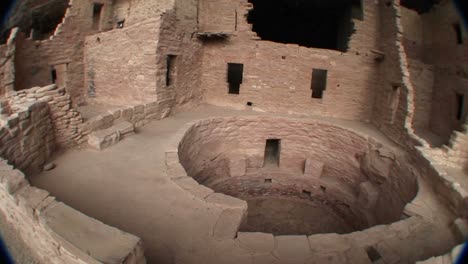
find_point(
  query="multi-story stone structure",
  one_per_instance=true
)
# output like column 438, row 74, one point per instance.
column 252, row 131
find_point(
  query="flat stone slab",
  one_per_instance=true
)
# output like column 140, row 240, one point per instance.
column 256, row 243
column 124, row 127
column 102, row 139
column 102, row 242
column 292, row 247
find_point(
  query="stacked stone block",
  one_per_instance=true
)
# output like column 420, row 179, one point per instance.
column 26, row 136
column 69, row 128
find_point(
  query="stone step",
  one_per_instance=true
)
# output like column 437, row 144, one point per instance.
column 104, row 138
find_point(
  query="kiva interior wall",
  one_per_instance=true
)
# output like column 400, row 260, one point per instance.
column 277, row 77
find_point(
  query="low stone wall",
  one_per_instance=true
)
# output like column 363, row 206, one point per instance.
column 139, row 115
column 68, row 125
column 27, row 136
column 34, row 227
column 412, row 239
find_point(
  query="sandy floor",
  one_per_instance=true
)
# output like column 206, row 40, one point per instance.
column 126, row 186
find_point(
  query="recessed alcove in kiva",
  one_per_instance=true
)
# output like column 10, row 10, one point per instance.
column 299, row 177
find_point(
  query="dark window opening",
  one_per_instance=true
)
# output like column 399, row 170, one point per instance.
column 272, row 152
column 458, row 32
column 319, row 83
column 460, row 106
column 373, row 254
column 235, row 77
column 97, row 10
column 306, row 193
column 53, row 75
column 323, row 188
column 249, row 103
column 420, row 6
column 309, row 23
column 170, row 69
column 268, row 180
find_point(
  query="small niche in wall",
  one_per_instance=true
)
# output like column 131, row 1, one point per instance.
column 97, row 10
column 319, row 83
column 460, row 104
column 393, row 101
column 272, row 152
column 170, row 69
column 373, row 254
column 458, row 32
column 235, row 74
column 121, row 23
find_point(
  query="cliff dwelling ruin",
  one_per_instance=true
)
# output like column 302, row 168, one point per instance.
column 234, row 131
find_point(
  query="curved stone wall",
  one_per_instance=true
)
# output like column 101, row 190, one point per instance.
column 324, row 170
column 410, row 237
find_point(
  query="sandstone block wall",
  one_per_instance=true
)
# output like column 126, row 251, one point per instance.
column 7, row 63
column 35, row 59
column 136, row 11
column 27, row 136
column 121, row 64
column 176, row 39
column 68, row 126
column 277, row 77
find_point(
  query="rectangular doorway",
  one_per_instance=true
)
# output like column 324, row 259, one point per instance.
column 97, row 10
column 272, row 152
column 319, row 83
column 235, row 77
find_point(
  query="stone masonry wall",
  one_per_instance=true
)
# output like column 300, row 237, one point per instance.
column 7, row 64
column 68, row 126
column 394, row 242
column 27, row 136
column 360, row 160
column 34, row 59
column 177, row 39
column 277, row 77
column 136, row 11
column 449, row 60
column 121, row 64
